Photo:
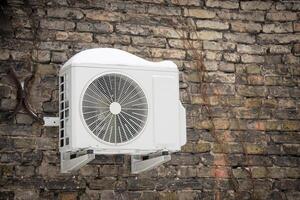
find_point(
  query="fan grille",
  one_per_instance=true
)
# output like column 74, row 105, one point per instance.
column 114, row 108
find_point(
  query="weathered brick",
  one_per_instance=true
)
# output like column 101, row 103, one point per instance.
column 163, row 10
column 19, row 55
column 67, row 184
column 25, row 171
column 210, row 45
column 46, row 35
column 255, row 80
column 281, row 16
column 41, row 56
column 8, row 104
column 278, row 38
column 251, row 91
column 231, row 57
column 241, row 26
column 168, row 32
column 228, row 148
column 186, row 2
column 278, row 28
column 218, row 77
column 280, row 49
column 167, row 53
column 26, row 194
column 24, row 34
column 239, row 37
column 291, row 125
column 187, row 172
column 292, row 173
column 252, row 59
column 53, row 45
column 141, row 184
column 184, row 44
column 198, row 99
column 294, row 92
column 222, row 4
column 4, row 54
column 187, row 195
column 221, row 123
column 194, row 184
column 108, row 170
column 194, row 77
column 46, row 69
column 5, row 91
column 183, row 159
column 103, row 27
column 202, row 147
column 132, row 29
column 226, row 67
column 258, row 16
column 254, row 149
column 7, row 194
column 288, row 137
column 212, row 55
column 50, row 106
column 150, row 42
column 204, row 172
column 296, row 49
column 256, row 5
column 199, row 13
column 59, row 57
column 74, row 36
column 296, row 27
column 209, row 24
column 102, row 16
column 23, row 119
column 106, row 159
column 167, row 195
column 218, row 89
column 206, row 35
column 68, row 196
column 57, row 24
column 65, row 13
column 289, row 59
column 278, row 91
column 272, row 80
column 113, row 39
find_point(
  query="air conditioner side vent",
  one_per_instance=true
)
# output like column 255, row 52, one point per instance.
column 63, row 111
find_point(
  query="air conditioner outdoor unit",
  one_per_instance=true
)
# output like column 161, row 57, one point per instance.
column 112, row 102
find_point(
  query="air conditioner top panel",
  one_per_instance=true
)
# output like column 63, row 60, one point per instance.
column 98, row 57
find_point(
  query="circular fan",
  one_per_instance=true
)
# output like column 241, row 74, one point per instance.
column 114, row 108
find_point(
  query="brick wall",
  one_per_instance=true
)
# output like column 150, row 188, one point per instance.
column 243, row 113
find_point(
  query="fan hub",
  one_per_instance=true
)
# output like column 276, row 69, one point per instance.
column 115, row 108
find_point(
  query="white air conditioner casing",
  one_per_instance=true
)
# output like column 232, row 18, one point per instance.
column 165, row 126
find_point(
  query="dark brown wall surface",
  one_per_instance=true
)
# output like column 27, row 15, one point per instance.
column 243, row 114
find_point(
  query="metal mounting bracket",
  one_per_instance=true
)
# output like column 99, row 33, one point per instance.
column 51, row 121
column 73, row 161
column 144, row 163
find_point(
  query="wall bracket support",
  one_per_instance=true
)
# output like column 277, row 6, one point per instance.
column 51, row 121
column 144, row 163
column 73, row 161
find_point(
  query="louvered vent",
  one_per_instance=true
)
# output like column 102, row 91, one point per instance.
column 114, row 108
column 64, row 110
